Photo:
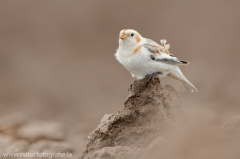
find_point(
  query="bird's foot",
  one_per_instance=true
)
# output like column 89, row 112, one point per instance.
column 130, row 87
column 152, row 76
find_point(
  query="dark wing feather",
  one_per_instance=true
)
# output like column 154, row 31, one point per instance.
column 168, row 59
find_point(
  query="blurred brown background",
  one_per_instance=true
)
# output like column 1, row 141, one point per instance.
column 57, row 57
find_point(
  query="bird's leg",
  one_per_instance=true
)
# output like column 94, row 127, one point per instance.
column 152, row 76
column 130, row 87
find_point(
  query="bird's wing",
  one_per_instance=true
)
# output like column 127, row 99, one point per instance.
column 160, row 53
column 154, row 47
column 167, row 59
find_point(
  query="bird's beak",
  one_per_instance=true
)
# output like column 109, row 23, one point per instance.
column 123, row 36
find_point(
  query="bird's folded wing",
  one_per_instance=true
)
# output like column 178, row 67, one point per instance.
column 154, row 47
column 160, row 53
column 167, row 59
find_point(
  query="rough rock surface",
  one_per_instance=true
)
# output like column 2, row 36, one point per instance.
column 149, row 111
column 128, row 152
column 118, row 152
column 17, row 136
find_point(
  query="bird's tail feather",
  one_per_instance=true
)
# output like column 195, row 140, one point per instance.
column 177, row 74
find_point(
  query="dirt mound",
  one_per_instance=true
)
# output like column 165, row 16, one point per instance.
column 149, row 111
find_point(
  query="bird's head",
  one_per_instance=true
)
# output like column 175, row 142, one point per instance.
column 129, row 37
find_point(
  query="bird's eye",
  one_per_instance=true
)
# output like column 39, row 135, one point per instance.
column 132, row 34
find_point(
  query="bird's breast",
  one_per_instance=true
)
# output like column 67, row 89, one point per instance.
column 129, row 53
column 133, row 61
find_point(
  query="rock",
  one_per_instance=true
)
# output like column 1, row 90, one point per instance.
column 149, row 111
column 128, row 152
column 50, row 146
column 106, row 118
column 18, row 146
column 104, row 153
column 36, row 130
column 10, row 123
column 5, row 140
column 117, row 152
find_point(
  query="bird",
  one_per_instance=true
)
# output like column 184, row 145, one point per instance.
column 144, row 57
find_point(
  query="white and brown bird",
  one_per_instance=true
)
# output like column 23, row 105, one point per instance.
column 142, row 57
